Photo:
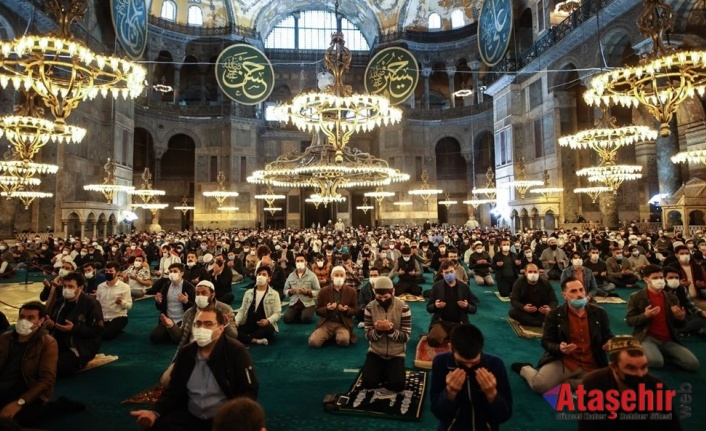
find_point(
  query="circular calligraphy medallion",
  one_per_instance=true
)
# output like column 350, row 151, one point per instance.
column 245, row 74
column 130, row 23
column 392, row 73
column 494, row 30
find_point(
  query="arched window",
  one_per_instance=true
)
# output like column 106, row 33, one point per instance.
column 457, row 20
column 169, row 10
column 434, row 22
column 195, row 17
column 314, row 28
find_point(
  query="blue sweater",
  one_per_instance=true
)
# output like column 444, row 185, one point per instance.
column 471, row 409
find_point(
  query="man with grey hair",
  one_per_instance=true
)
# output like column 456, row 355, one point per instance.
column 336, row 306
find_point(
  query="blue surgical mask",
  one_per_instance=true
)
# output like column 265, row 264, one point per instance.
column 579, row 303
column 450, row 277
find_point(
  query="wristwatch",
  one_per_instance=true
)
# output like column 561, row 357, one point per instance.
column 21, row 402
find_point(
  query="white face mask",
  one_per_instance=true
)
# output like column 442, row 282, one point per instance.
column 68, row 293
column 24, row 327
column 133, row 247
column 594, row 258
column 202, row 336
column 406, row 258
column 658, row 284
column 577, row 262
column 261, row 280
column 137, row 264
column 373, row 280
column 383, row 255
column 479, row 250
column 528, row 255
column 636, row 253
column 506, row 248
column 84, row 253
column 673, row 283
column 532, row 277
column 201, row 301
column 320, row 264
column 301, row 266
column 338, row 281
column 174, row 276
column 190, row 264
column 684, row 258
column 63, row 272
column 89, row 275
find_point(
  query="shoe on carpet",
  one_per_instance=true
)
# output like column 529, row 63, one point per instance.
column 361, row 325
column 517, row 366
column 261, row 341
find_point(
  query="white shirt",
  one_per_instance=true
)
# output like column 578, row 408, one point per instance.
column 106, row 295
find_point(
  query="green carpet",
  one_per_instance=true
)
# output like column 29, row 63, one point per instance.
column 294, row 378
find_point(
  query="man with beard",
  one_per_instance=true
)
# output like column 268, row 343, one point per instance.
column 627, row 371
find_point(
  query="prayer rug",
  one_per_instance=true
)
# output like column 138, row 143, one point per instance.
column 502, row 298
column 406, row 297
column 144, row 297
column 149, row 396
column 609, row 300
column 384, row 404
column 524, row 331
column 99, row 361
column 425, row 353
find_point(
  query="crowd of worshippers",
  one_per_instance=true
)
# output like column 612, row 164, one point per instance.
column 342, row 276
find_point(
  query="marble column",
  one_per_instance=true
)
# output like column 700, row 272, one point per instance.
column 470, row 168
column 668, row 173
column 157, row 170
column 426, row 73
column 646, row 156
column 8, row 208
column 95, row 230
column 65, row 228
column 451, row 72
column 83, row 230
column 609, row 210
column 177, row 83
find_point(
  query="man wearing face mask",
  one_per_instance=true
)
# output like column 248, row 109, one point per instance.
column 695, row 317
column 584, row 275
column 569, row 353
column 206, row 374
column 52, row 288
column 470, row 389
column 450, row 303
column 322, row 270
column 301, row 288
column 438, row 257
column 115, row 299
column 479, row 262
column 637, row 258
column 692, row 276
column 388, row 327
column 656, row 317
column 257, row 317
column 406, row 269
column 554, row 260
column 627, row 371
column 28, row 360
column 507, row 268
column 137, row 276
column 93, row 279
column 336, row 305
column 194, row 272
column 222, row 278
column 365, row 295
column 172, row 301
column 75, row 320
column 600, row 270
column 532, row 298
column 620, row 270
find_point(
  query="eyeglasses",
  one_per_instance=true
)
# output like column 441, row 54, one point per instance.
column 199, row 324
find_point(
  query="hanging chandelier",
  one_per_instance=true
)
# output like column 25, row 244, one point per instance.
column 272, row 210
column 521, row 183
column 662, row 80
column 425, row 191
column 184, row 207
column 489, row 190
column 146, row 192
column 26, row 196
column 611, row 175
column 545, row 190
column 379, row 195
column 567, row 7
column 221, row 194
column 152, row 206
column 335, row 110
column 448, row 201
column 593, row 192
column 365, row 207
column 403, row 203
column 10, row 184
column 270, row 197
column 691, row 156
column 110, row 187
column 61, row 69
column 228, row 209
column 316, row 167
column 162, row 87
column 475, row 203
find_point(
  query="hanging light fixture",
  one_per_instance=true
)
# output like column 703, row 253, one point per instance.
column 611, row 175
column 691, row 156
column 270, row 197
column 228, row 209
column 26, row 196
column 61, row 69
column 489, row 190
column 547, row 191
column 162, row 87
column 184, row 207
column 110, row 187
column 425, row 191
column 567, row 7
column 220, row 194
column 448, row 201
column 146, row 192
column 316, row 202
column 593, row 192
column 475, row 203
column 521, row 183
column 272, row 210
column 662, row 80
column 365, row 207
column 379, row 195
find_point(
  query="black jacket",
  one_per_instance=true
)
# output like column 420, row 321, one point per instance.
column 222, row 282
column 230, row 364
column 187, row 289
column 87, row 317
column 518, row 297
column 438, row 291
column 556, row 331
column 636, row 318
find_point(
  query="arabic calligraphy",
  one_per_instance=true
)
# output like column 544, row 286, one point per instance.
column 393, row 73
column 244, row 74
column 130, row 22
column 494, row 30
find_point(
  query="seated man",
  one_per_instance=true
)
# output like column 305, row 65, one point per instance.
column 600, row 270
column 507, row 268
column 388, row 326
column 222, row 278
column 406, row 269
column 628, row 369
column 301, row 289
column 336, row 306
column 172, row 301
column 206, row 375
column 322, row 270
column 115, row 299
column 137, row 276
column 554, row 260
column 656, row 315
column 93, row 279
column 354, row 275
column 28, row 358
column 532, row 298
column 194, row 272
column 479, row 262
column 569, row 353
column 469, row 387
column 257, row 317
column 620, row 271
column 584, row 275
column 450, row 303
column 75, row 320
column 695, row 317
column 365, row 295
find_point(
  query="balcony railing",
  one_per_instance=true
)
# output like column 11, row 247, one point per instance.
column 553, row 36
column 446, row 114
column 191, row 30
column 428, row 36
column 310, row 55
column 221, row 109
